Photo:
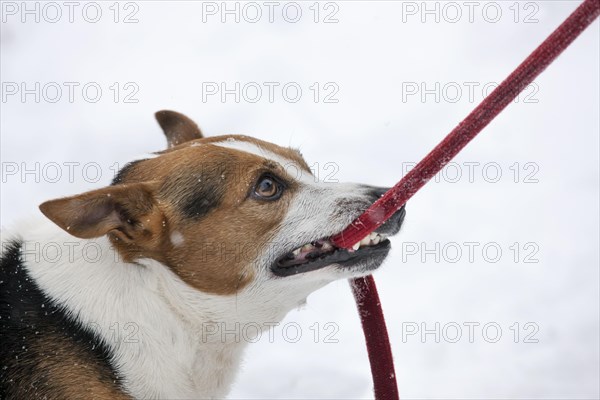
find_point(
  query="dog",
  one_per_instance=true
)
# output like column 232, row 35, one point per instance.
column 117, row 294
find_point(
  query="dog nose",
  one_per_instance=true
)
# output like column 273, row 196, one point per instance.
column 400, row 214
column 377, row 192
column 393, row 224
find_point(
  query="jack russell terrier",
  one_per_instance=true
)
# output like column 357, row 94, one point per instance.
column 210, row 232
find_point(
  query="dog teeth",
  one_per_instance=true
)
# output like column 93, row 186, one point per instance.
column 376, row 239
column 323, row 246
column 371, row 240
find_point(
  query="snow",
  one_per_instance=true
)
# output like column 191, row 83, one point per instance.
column 527, row 186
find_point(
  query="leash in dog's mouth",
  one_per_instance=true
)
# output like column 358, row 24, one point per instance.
column 321, row 253
column 367, row 254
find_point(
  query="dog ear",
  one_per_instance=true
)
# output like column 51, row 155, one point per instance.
column 128, row 211
column 177, row 127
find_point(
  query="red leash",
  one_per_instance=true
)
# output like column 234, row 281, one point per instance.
column 364, row 289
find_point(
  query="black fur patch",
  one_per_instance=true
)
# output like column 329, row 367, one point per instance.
column 197, row 194
column 124, row 171
column 30, row 324
column 201, row 201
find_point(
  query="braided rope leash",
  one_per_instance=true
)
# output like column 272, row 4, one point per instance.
column 364, row 289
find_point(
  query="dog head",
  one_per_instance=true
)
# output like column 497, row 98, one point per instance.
column 228, row 214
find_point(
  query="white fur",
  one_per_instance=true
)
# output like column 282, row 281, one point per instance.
column 289, row 165
column 177, row 238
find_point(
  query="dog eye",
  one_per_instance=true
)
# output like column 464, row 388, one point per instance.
column 268, row 188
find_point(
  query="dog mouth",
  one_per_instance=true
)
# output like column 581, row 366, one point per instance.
column 321, row 253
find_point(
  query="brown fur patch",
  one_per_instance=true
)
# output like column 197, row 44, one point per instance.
column 212, row 228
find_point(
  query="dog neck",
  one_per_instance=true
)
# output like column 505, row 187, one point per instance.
column 167, row 339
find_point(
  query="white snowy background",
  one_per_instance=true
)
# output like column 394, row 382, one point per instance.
column 546, row 147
